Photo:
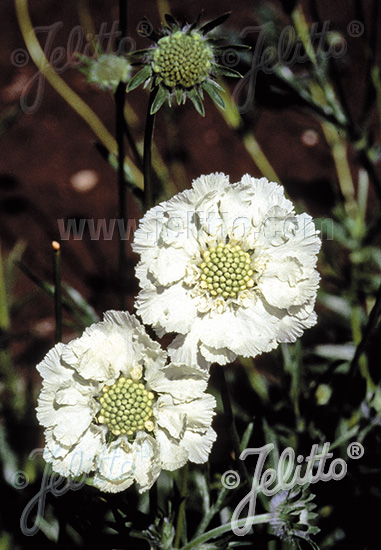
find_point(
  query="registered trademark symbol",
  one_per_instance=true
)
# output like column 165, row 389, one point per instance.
column 355, row 28
column 355, row 450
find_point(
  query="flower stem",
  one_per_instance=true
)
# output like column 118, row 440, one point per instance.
column 147, row 153
column 57, row 289
column 119, row 131
column 225, row 396
column 222, row 529
column 120, row 94
column 213, row 510
column 181, row 514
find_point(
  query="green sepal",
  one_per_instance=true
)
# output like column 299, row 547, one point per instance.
column 171, row 22
column 197, row 102
column 138, row 53
column 179, row 95
column 212, row 88
column 160, row 97
column 221, row 69
column 139, row 78
column 235, row 47
column 214, row 23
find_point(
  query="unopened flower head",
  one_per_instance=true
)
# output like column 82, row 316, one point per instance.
column 183, row 63
column 293, row 516
column 113, row 409
column 107, row 71
column 229, row 267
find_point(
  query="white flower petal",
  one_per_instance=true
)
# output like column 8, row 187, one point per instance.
column 147, row 461
column 172, row 455
column 170, row 416
column 170, row 265
column 180, row 381
column 199, row 445
column 283, row 295
column 115, row 467
column 204, row 185
column 172, row 307
column 185, row 349
column 80, row 459
column 52, row 370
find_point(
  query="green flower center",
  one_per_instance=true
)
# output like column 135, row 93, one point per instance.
column 226, row 270
column 126, row 407
column 182, row 59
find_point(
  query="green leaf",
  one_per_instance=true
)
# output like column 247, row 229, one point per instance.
column 196, row 100
column 160, row 97
column 212, row 89
column 139, row 78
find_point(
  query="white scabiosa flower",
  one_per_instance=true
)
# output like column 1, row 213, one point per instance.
column 229, row 267
column 113, row 409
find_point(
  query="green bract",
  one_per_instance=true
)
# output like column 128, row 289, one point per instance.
column 183, row 63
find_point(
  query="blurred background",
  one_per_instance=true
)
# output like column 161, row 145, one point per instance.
column 314, row 127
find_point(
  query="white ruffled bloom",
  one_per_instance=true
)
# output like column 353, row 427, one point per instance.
column 229, row 267
column 114, row 410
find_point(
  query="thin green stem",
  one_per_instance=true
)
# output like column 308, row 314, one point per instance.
column 222, row 529
column 213, row 510
column 181, row 513
column 147, row 153
column 303, row 32
column 57, row 290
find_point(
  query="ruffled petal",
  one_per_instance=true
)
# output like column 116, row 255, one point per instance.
column 170, row 416
column 115, row 467
column 79, row 459
column 181, row 381
column 53, row 371
column 172, row 455
column 172, row 308
column 199, row 445
column 146, row 461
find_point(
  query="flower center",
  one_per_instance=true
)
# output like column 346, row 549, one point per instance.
column 182, row 59
column 226, row 270
column 126, row 407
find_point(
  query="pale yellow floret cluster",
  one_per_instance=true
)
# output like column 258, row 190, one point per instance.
column 182, row 59
column 108, row 70
column 126, row 407
column 226, row 270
